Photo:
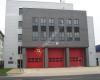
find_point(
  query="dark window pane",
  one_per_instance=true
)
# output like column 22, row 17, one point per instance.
column 61, row 29
column 51, row 28
column 43, row 28
column 76, row 29
column 69, row 29
column 35, row 28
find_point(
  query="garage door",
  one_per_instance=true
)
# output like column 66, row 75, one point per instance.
column 34, row 57
column 55, row 57
column 76, row 57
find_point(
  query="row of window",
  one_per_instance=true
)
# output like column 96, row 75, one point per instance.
column 53, row 29
column 53, row 36
column 51, row 21
column 63, row 34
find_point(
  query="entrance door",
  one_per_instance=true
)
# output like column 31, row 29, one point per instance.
column 76, row 57
column 55, row 57
column 34, row 57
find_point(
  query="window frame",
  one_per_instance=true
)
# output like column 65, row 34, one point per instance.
column 19, row 37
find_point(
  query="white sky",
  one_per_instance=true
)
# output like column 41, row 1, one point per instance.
column 91, row 6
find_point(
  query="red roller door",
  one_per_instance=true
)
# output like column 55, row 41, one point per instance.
column 76, row 57
column 55, row 57
column 34, row 57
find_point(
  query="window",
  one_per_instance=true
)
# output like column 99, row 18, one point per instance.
column 51, row 21
column 51, row 29
column 52, row 33
column 43, row 28
column 35, row 21
column 35, row 33
column 69, row 21
column 52, row 36
column 76, row 21
column 42, row 21
column 76, row 34
column 69, row 34
column 20, row 11
column 19, row 49
column 19, row 37
column 43, row 33
column 62, row 36
column 35, row 28
column 20, row 23
column 43, row 36
column 35, row 36
column 76, row 29
column 69, row 29
column 61, row 33
column 61, row 29
column 60, row 22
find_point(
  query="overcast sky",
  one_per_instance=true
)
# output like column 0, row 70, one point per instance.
column 91, row 6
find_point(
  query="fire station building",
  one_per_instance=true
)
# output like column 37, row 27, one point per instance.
column 47, row 35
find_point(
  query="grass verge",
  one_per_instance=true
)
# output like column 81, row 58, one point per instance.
column 3, row 71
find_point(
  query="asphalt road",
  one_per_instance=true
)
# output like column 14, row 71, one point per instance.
column 78, row 77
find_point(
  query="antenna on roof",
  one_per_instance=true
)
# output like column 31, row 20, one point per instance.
column 62, row 1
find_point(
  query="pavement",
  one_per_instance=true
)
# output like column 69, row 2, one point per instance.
column 40, row 72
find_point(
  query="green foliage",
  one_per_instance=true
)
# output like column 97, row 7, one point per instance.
column 3, row 71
